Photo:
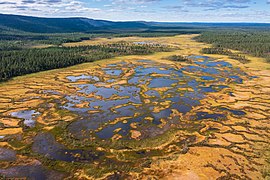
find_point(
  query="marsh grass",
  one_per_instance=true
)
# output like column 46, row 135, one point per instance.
column 222, row 51
column 178, row 58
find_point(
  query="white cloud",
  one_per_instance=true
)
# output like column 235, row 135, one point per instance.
column 150, row 10
column 133, row 1
column 216, row 4
column 45, row 7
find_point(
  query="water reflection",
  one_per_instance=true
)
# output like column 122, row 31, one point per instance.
column 152, row 91
column 29, row 117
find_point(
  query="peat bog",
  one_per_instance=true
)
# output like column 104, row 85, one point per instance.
column 138, row 116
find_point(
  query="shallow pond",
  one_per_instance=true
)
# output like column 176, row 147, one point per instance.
column 7, row 154
column 115, row 111
column 45, row 144
column 32, row 172
column 147, row 96
column 28, row 116
column 82, row 77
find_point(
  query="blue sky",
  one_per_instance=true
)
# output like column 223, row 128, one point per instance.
column 147, row 10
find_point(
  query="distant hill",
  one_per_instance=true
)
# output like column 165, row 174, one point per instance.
column 17, row 23
column 210, row 24
column 62, row 25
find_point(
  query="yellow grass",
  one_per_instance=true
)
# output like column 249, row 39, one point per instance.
column 194, row 164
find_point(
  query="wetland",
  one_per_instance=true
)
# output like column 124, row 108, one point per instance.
column 139, row 117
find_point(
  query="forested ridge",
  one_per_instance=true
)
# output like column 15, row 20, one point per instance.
column 252, row 42
column 19, row 62
column 18, row 55
column 15, row 41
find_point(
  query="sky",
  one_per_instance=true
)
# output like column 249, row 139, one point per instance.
column 145, row 10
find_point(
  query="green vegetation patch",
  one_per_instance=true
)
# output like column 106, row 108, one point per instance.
column 255, row 42
column 178, row 58
column 25, row 61
column 227, row 52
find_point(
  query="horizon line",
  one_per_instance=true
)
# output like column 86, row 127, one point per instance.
column 150, row 21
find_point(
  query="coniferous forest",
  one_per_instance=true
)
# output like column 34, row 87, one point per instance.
column 18, row 55
column 19, row 62
column 254, row 42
